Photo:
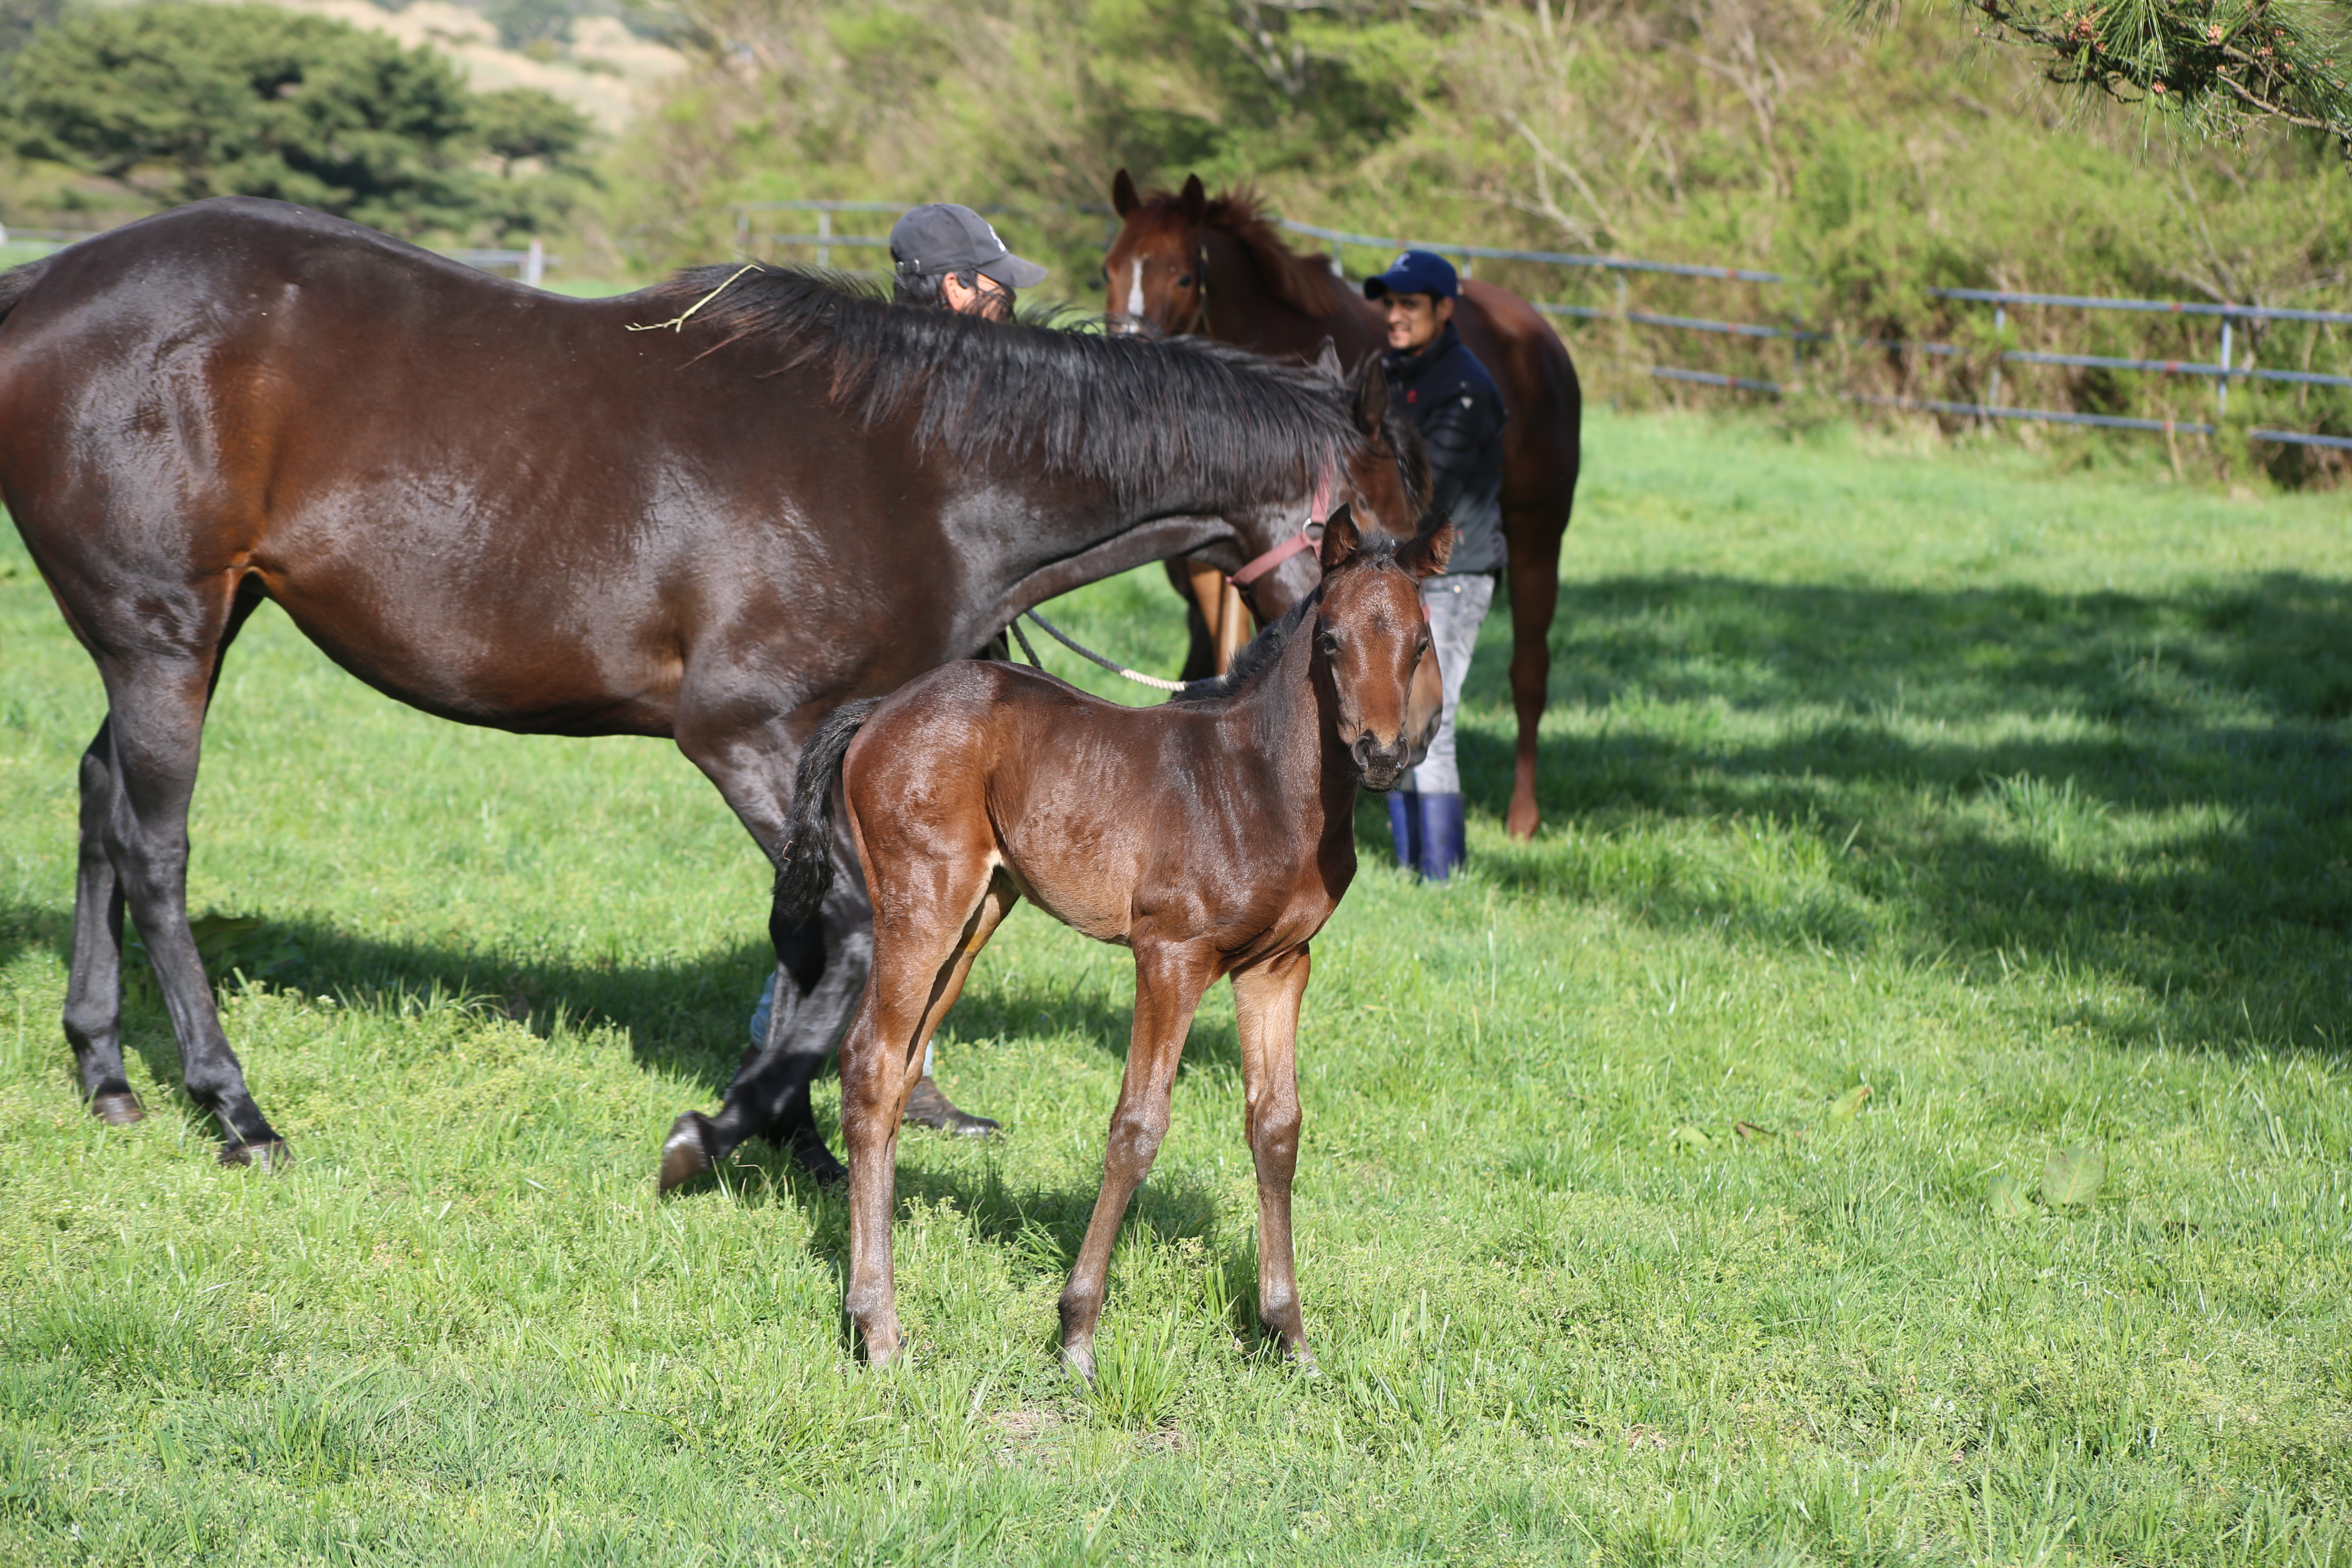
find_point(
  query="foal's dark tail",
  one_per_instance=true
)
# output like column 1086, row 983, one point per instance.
column 806, row 874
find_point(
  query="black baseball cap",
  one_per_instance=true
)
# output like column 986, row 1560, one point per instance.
column 941, row 236
column 1414, row 272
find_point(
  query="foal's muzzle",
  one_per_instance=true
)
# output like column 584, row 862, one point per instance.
column 1380, row 766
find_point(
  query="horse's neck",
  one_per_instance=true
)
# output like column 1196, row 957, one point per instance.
column 1243, row 311
column 1314, row 789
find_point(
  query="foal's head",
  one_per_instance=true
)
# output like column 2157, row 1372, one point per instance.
column 1371, row 636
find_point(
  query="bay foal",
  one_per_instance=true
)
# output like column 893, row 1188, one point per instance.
column 1212, row 836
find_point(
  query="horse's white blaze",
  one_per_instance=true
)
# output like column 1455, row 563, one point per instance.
column 1135, row 291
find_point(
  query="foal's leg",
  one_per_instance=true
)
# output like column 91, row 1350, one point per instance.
column 155, row 730
column 1265, row 999
column 920, row 961
column 1169, row 981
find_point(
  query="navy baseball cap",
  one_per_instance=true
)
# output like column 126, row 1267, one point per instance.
column 1414, row 272
column 941, row 237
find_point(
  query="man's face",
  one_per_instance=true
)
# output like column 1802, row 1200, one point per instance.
column 988, row 299
column 1415, row 320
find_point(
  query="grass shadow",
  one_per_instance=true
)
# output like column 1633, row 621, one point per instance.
column 2159, row 786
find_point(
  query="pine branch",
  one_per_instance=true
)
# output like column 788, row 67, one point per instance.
column 2219, row 65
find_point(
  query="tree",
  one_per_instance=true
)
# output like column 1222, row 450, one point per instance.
column 518, row 123
column 2219, row 65
column 185, row 101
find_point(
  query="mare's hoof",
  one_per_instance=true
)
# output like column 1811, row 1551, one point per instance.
column 810, row 1153
column 118, row 1110
column 1302, row 1361
column 929, row 1106
column 686, row 1154
column 1080, row 1360
column 270, row 1155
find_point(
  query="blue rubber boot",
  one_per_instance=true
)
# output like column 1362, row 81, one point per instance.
column 1442, row 836
column 1404, row 826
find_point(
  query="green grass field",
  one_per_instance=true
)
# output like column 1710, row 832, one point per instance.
column 2025, row 801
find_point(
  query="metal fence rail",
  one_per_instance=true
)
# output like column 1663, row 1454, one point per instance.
column 2221, row 370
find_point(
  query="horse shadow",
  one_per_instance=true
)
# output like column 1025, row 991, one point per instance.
column 2156, row 786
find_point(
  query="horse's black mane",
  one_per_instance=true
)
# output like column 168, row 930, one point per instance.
column 1129, row 414
column 1265, row 650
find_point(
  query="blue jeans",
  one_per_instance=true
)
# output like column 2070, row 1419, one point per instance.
column 1458, row 608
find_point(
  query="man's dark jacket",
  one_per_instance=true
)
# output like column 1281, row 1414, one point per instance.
column 1453, row 399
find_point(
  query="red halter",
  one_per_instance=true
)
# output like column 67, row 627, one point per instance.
column 1258, row 566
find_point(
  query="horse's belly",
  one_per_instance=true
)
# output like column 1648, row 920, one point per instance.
column 1088, row 893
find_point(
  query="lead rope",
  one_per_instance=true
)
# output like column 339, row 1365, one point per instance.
column 1256, row 569
column 1084, row 652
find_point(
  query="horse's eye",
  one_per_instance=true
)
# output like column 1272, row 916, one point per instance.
column 1185, row 281
column 1328, row 644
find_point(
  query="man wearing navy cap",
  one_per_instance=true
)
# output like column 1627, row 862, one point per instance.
column 1451, row 397
column 948, row 255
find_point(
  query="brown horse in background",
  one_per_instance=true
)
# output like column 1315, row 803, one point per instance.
column 711, row 511
column 1212, row 836
column 1186, row 263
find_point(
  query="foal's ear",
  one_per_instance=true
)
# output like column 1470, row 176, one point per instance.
column 1425, row 556
column 1123, row 199
column 1371, row 387
column 1326, row 362
column 1195, row 199
column 1339, row 540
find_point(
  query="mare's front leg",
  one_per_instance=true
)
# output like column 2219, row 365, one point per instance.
column 1169, row 980
column 1266, row 1000
column 749, row 752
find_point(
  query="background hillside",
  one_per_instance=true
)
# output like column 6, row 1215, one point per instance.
column 1872, row 167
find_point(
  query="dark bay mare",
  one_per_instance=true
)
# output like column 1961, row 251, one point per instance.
column 1185, row 263
column 507, row 508
column 1214, row 836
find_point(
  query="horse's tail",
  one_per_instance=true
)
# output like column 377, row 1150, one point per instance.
column 805, row 875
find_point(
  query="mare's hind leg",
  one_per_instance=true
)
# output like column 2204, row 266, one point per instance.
column 921, row 957
column 1265, row 999
column 93, row 1011
column 154, row 729
column 93, row 1016
column 1169, row 981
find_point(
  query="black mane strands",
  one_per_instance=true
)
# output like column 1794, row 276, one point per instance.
column 1125, row 413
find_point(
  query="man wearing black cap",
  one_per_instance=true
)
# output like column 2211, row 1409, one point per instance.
column 948, row 255
column 1451, row 397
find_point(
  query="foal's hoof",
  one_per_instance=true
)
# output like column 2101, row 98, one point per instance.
column 1080, row 1360
column 686, row 1152
column 118, row 1110
column 810, row 1153
column 270, row 1155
